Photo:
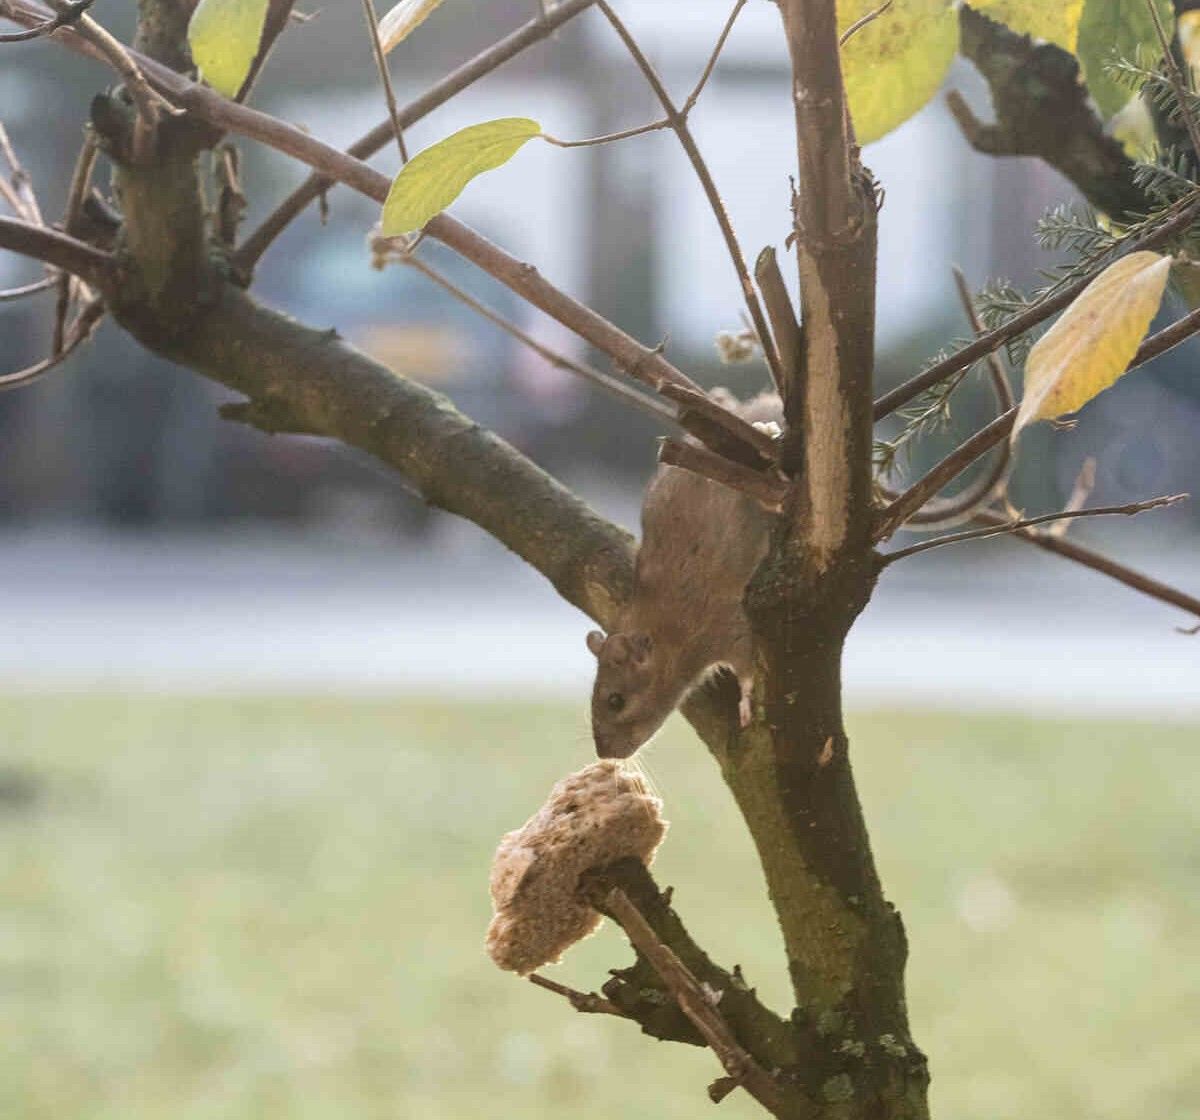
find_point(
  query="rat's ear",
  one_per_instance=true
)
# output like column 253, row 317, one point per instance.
column 595, row 642
column 617, row 649
column 641, row 646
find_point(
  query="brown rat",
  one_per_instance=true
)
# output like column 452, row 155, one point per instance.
column 700, row 544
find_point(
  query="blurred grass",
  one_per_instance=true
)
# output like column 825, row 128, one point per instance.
column 246, row 908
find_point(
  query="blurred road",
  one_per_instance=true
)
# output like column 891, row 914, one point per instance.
column 990, row 625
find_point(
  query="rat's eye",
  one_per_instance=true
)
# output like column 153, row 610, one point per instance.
column 615, row 701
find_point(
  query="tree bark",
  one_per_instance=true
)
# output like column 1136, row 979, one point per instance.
column 846, row 1053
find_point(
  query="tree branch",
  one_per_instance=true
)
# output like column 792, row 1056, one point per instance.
column 1042, row 110
column 51, row 247
column 322, row 385
column 1185, row 213
column 659, row 409
column 902, row 509
column 769, row 1042
column 679, row 125
column 769, row 492
column 945, row 472
column 68, row 13
column 643, row 363
column 943, row 513
column 470, row 72
column 18, row 189
column 11, row 295
column 1097, row 562
column 717, row 427
column 72, row 337
column 586, row 1002
column 828, row 443
column 697, row 1004
column 789, row 337
column 1015, row 524
column 385, row 78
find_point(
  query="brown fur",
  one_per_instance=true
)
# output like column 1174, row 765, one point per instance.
column 700, row 544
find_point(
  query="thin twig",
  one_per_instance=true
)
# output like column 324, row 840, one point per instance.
column 70, row 11
column 68, row 285
column 608, row 137
column 711, row 65
column 942, row 513
column 644, row 363
column 20, row 196
column 789, row 337
column 695, row 1003
column 1175, row 77
column 902, row 508
column 862, row 22
column 79, row 331
column 1168, row 338
column 56, row 249
column 1049, row 305
column 1097, row 562
column 279, row 16
column 769, row 491
column 679, row 125
column 760, row 447
column 81, row 181
column 587, row 1002
column 652, row 405
column 1013, row 526
column 148, row 101
column 366, row 146
column 940, row 476
column 11, row 295
column 10, row 196
column 385, row 77
column 1085, row 483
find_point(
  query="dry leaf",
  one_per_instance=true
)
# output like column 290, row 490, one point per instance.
column 403, row 20
column 1094, row 340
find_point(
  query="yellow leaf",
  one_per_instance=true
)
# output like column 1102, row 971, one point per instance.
column 224, row 36
column 896, row 63
column 434, row 178
column 1094, row 339
column 1187, row 27
column 1057, row 23
column 402, row 20
column 1133, row 128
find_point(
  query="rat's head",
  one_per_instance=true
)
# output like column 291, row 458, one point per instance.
column 628, row 705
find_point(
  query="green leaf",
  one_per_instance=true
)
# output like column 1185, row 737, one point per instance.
column 1094, row 340
column 224, row 36
column 1057, row 23
column 434, row 178
column 896, row 63
column 1112, row 29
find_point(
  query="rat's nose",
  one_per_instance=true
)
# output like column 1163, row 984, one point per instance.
column 609, row 746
